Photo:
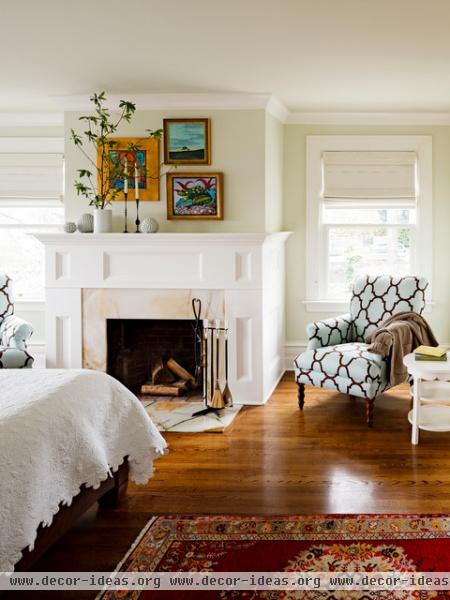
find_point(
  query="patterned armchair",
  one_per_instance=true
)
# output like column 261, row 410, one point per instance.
column 337, row 357
column 14, row 332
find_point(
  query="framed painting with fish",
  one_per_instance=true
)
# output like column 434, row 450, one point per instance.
column 195, row 196
column 187, row 141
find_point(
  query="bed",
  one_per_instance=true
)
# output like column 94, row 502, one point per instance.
column 65, row 435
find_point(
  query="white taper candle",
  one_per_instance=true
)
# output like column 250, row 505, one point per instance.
column 136, row 182
column 125, row 178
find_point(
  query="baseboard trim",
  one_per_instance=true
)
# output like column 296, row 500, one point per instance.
column 274, row 387
column 291, row 350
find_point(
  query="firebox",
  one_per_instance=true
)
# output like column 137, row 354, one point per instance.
column 135, row 348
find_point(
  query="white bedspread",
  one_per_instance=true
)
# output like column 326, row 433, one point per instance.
column 60, row 429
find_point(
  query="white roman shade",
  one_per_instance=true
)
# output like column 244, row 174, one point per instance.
column 371, row 175
column 31, row 169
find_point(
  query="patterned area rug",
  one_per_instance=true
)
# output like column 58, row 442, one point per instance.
column 176, row 415
column 417, row 543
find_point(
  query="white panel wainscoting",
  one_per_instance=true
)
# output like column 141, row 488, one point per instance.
column 239, row 277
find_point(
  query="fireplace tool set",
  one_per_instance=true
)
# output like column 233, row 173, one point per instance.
column 211, row 358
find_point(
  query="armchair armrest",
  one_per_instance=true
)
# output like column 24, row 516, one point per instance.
column 15, row 332
column 337, row 330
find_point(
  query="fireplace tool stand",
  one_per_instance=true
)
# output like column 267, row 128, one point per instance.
column 208, row 344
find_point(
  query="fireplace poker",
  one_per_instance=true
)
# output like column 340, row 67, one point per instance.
column 205, row 362
column 198, row 344
column 211, row 380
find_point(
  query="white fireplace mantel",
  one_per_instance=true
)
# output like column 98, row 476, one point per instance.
column 247, row 269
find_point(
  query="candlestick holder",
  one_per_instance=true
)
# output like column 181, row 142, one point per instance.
column 125, row 195
column 138, row 222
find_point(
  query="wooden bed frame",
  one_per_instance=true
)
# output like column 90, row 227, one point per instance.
column 110, row 492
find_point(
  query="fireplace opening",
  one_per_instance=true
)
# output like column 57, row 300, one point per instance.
column 153, row 352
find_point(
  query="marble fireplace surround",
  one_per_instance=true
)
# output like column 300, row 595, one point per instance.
column 238, row 276
column 102, row 304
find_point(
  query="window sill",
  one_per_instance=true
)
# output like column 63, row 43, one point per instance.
column 340, row 307
column 327, row 306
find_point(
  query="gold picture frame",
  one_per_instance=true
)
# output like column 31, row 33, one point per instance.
column 147, row 158
column 187, row 196
column 187, row 141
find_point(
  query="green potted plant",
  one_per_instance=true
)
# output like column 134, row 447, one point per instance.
column 96, row 183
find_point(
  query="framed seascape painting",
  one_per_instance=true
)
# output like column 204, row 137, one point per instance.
column 142, row 152
column 187, row 142
column 194, row 196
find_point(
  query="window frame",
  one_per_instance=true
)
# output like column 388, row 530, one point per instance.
column 32, row 145
column 316, row 257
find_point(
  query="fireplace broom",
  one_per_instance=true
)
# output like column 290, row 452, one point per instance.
column 217, row 398
column 227, row 397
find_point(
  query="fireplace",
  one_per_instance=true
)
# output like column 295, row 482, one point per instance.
column 135, row 346
column 238, row 277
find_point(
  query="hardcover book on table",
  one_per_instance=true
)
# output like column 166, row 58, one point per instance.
column 430, row 353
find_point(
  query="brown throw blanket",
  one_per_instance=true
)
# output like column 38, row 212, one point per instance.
column 398, row 336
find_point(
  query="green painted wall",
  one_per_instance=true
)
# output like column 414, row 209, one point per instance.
column 238, row 150
column 274, row 173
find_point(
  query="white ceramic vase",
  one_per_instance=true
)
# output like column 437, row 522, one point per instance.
column 103, row 220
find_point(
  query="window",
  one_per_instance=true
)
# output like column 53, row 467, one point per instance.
column 31, row 193
column 368, row 211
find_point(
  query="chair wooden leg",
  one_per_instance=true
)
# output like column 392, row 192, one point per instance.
column 301, row 395
column 369, row 411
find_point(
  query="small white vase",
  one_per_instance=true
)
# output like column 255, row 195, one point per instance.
column 102, row 220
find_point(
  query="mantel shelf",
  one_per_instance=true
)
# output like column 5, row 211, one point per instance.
column 141, row 239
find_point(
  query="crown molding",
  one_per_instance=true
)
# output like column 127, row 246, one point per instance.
column 182, row 102
column 170, row 101
column 232, row 101
column 277, row 109
column 31, row 119
column 368, row 118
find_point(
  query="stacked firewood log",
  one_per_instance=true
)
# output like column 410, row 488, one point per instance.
column 168, row 378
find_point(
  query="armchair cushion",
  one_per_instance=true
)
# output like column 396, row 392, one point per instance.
column 348, row 368
column 324, row 333
column 15, row 332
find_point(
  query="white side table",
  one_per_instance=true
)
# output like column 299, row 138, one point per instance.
column 431, row 391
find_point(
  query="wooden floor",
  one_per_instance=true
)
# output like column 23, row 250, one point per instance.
column 275, row 459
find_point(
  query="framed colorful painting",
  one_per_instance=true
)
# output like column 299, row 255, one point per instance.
column 194, row 196
column 142, row 152
column 187, row 142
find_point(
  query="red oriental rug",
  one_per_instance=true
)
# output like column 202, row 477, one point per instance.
column 401, row 543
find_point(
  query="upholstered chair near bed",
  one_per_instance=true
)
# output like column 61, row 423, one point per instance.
column 14, row 332
column 336, row 357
